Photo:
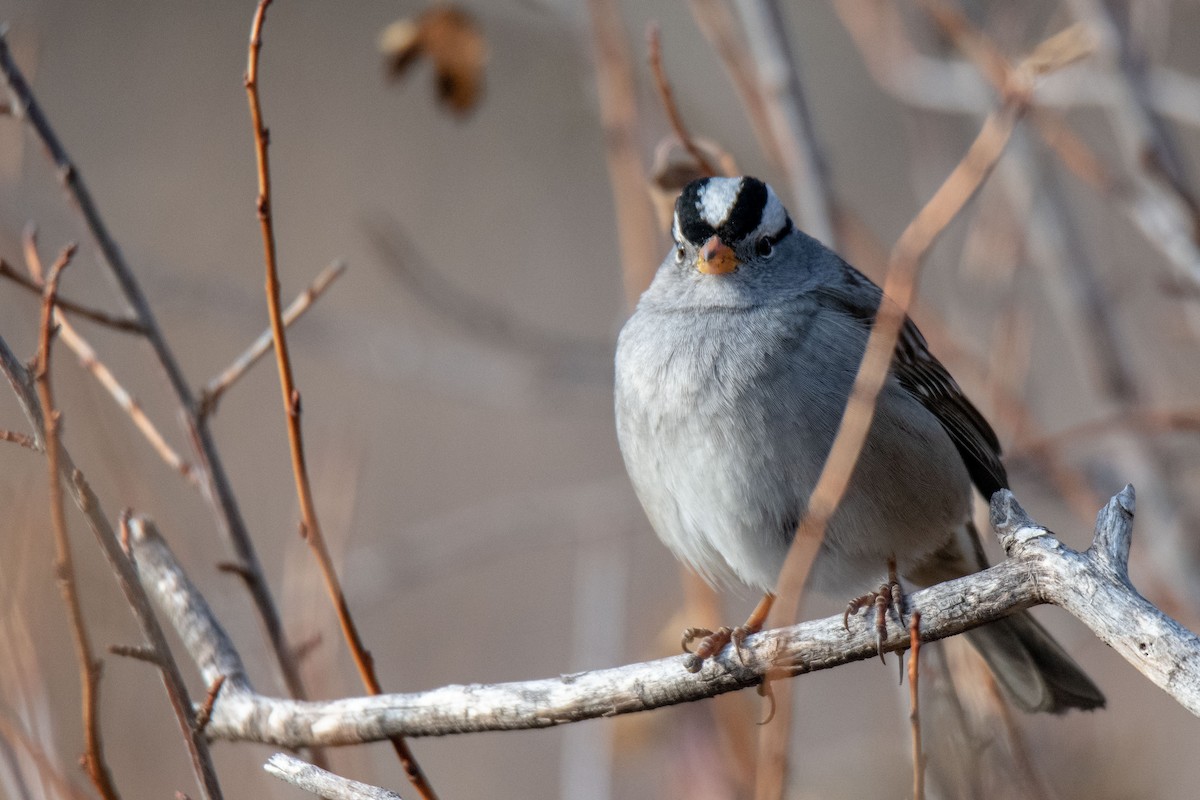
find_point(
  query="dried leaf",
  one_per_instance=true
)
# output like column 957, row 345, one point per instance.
column 452, row 41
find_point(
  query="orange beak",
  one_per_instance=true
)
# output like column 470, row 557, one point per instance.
column 716, row 258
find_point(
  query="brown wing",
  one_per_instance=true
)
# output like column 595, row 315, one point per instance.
column 924, row 377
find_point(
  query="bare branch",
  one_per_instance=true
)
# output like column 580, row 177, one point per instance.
column 124, row 324
column 619, row 120
column 787, row 110
column 23, row 386
column 1092, row 586
column 18, row 438
column 90, row 361
column 291, row 406
column 322, row 782
column 64, row 566
column 12, row 733
column 214, row 482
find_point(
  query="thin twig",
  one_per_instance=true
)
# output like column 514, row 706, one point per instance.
column 898, row 289
column 215, row 483
column 215, row 388
column 92, row 363
column 127, row 402
column 914, row 714
column 64, row 567
column 123, row 324
column 85, row 499
column 654, row 48
column 47, row 770
column 204, row 713
column 24, row 440
column 291, row 405
column 719, row 27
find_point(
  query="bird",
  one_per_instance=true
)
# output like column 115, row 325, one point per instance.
column 731, row 377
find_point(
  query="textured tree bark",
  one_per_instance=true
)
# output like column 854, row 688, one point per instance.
column 1093, row 586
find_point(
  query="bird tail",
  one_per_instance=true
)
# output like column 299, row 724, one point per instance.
column 1035, row 671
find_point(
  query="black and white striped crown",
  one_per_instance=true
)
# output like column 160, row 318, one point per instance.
column 733, row 209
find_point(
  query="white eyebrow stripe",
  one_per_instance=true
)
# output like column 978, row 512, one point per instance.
column 717, row 199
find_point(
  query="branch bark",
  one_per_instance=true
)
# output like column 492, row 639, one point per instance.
column 1093, row 586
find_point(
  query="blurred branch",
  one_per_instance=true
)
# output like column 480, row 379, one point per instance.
column 914, row 708
column 311, row 527
column 215, row 388
column 667, row 97
column 720, row 28
column 214, row 482
column 1143, row 420
column 481, row 319
column 952, row 86
column 789, row 116
column 322, row 782
column 898, row 289
column 64, row 566
column 640, row 249
column 12, row 733
column 1092, row 586
column 1089, row 320
column 21, row 439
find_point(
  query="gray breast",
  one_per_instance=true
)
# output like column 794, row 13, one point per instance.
column 724, row 420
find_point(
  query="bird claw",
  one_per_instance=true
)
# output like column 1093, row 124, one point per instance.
column 712, row 642
column 889, row 596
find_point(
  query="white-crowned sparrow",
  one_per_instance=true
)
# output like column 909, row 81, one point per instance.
column 731, row 379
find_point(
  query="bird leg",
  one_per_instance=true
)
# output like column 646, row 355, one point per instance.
column 711, row 642
column 889, row 596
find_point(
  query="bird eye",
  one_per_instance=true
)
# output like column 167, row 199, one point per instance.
column 764, row 247
column 679, row 254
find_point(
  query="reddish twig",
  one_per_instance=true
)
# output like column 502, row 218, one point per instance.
column 204, row 714
column 20, row 439
column 64, row 566
column 92, row 363
column 215, row 482
column 914, row 714
column 47, row 770
column 654, row 47
column 85, row 499
column 291, row 403
column 903, row 267
column 214, row 389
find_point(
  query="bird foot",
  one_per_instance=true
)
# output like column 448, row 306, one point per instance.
column 889, row 596
column 712, row 642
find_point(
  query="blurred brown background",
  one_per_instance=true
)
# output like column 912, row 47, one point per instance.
column 471, row 485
